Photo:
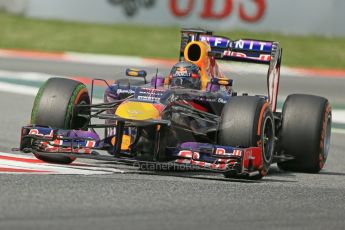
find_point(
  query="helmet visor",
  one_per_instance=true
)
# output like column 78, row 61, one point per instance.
column 186, row 82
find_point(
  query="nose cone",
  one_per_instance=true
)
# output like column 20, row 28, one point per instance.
column 136, row 110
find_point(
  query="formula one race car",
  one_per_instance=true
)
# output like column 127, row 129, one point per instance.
column 191, row 118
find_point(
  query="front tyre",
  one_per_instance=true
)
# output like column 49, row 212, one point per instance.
column 53, row 106
column 248, row 122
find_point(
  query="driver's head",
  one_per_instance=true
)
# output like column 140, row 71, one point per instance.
column 185, row 74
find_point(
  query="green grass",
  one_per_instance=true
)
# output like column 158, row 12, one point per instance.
column 51, row 35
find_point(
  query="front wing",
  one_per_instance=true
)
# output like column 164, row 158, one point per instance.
column 188, row 155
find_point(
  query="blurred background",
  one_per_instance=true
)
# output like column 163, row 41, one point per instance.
column 312, row 32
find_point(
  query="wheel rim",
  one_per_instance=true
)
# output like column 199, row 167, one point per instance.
column 267, row 139
column 78, row 122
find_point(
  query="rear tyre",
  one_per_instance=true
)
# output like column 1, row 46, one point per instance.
column 53, row 106
column 305, row 133
column 248, row 122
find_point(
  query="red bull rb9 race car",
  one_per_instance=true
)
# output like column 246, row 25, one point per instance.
column 193, row 117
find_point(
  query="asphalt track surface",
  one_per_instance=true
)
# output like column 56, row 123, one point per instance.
column 169, row 200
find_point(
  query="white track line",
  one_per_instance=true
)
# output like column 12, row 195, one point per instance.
column 338, row 116
column 100, row 59
column 18, row 89
column 338, row 131
column 80, row 169
column 25, row 76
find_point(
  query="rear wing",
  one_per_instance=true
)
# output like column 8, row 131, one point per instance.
column 242, row 50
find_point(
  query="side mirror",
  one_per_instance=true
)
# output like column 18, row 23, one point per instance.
column 221, row 81
column 136, row 73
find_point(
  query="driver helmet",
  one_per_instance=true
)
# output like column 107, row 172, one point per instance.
column 185, row 74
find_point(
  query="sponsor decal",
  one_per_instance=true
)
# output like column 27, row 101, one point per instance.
column 149, row 94
column 248, row 11
column 221, row 100
column 252, row 45
column 130, row 91
column 261, row 57
column 90, row 144
column 249, row 153
column 196, row 156
column 222, row 151
column 148, row 98
column 185, row 154
column 216, row 41
column 131, row 7
column 37, row 133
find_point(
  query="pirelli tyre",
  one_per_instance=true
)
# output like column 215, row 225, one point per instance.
column 305, row 132
column 53, row 106
column 248, row 121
